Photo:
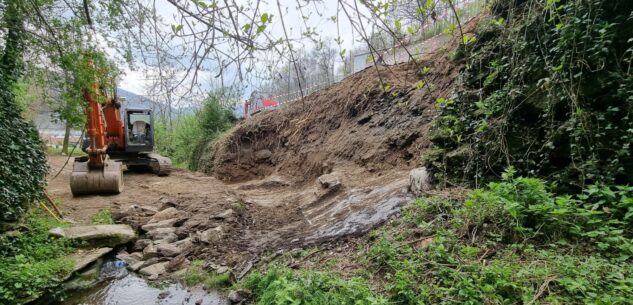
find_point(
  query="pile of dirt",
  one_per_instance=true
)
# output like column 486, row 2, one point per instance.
column 376, row 119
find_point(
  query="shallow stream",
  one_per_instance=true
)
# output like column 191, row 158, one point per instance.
column 109, row 283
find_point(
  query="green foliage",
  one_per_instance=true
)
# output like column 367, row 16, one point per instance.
column 195, row 275
column 511, row 243
column 84, row 69
column 190, row 134
column 22, row 160
column 178, row 142
column 102, row 217
column 31, row 262
column 282, row 286
column 547, row 89
column 524, row 208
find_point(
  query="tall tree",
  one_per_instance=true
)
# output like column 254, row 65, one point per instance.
column 22, row 160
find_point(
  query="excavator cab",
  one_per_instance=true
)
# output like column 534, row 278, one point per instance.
column 139, row 129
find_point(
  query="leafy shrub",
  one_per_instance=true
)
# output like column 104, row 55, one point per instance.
column 524, row 208
column 283, row 286
column 102, row 217
column 429, row 213
column 23, row 165
column 31, row 262
column 190, row 134
column 196, row 274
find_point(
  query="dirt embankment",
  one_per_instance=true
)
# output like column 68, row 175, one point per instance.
column 376, row 119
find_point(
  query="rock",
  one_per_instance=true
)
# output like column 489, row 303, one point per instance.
column 222, row 269
column 136, row 266
column 121, row 254
column 155, row 270
column 136, row 222
column 97, row 235
column 133, row 211
column 163, row 295
column 226, row 214
column 211, row 235
column 186, row 245
column 263, row 155
column 83, row 279
column 177, row 263
column 130, row 259
column 364, row 119
column 165, row 214
column 166, row 202
column 169, row 238
column 167, row 223
column 150, row 252
column 239, row 295
column 168, row 250
column 332, row 180
column 219, row 269
column 140, row 244
column 148, row 210
column 83, row 258
column 245, row 270
column 153, row 260
column 183, row 232
column 137, row 255
column 419, row 181
column 161, row 233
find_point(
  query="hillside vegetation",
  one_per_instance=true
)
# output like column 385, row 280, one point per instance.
column 547, row 87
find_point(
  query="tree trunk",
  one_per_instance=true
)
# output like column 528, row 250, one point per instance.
column 66, row 140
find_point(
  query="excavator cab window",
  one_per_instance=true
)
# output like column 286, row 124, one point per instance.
column 139, row 130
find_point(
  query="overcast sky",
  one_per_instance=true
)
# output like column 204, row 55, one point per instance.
column 319, row 13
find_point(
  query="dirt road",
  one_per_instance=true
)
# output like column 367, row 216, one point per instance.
column 139, row 188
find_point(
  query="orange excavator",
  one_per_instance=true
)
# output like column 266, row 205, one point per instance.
column 115, row 137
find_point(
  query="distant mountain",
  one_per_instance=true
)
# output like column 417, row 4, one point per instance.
column 133, row 100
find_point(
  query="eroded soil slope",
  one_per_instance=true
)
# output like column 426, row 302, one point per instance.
column 376, row 119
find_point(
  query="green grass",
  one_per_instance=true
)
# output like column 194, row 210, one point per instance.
column 31, row 262
column 196, row 275
column 58, row 151
column 102, row 217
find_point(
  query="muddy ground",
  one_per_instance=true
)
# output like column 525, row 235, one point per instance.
column 268, row 215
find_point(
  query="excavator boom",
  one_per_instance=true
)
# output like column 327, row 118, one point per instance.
column 97, row 173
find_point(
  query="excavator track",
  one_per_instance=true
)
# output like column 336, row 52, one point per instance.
column 160, row 165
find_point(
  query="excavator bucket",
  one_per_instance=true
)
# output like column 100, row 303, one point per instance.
column 106, row 180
